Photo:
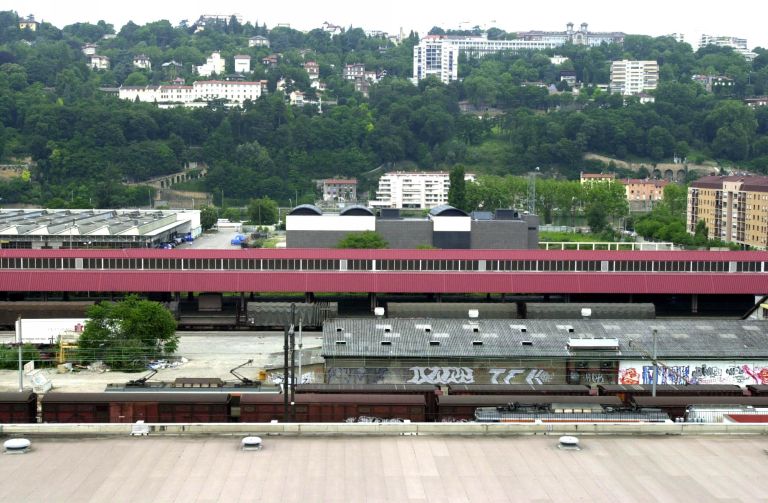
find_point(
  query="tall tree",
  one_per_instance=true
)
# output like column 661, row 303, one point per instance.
column 457, row 191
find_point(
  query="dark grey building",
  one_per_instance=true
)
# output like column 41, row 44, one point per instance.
column 444, row 227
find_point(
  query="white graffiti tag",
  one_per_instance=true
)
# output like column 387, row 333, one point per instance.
column 442, row 375
column 533, row 376
column 496, row 373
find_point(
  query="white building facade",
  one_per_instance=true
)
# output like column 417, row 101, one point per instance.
column 634, row 77
column 200, row 91
column 414, row 190
column 438, row 55
column 738, row 45
column 242, row 63
column 214, row 64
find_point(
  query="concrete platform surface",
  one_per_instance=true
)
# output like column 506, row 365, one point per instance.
column 396, row 469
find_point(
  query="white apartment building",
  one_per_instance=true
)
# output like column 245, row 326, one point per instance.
column 242, row 63
column 738, row 45
column 634, row 77
column 214, row 64
column 439, row 54
column 414, row 190
column 200, row 91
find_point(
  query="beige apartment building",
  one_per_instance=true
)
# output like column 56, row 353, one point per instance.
column 643, row 194
column 734, row 208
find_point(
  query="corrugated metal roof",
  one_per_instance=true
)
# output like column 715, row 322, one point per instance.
column 409, row 338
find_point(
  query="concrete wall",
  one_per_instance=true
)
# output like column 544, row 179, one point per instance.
column 500, row 234
column 314, row 239
column 406, row 234
column 444, row 371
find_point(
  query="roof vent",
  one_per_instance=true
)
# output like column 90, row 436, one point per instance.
column 526, row 343
column 475, row 329
column 386, row 343
column 434, row 343
column 341, row 343
column 339, row 329
column 477, row 343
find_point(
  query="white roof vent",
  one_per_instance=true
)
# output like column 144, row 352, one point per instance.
column 597, row 344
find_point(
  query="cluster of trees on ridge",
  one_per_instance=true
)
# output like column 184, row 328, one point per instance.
column 86, row 144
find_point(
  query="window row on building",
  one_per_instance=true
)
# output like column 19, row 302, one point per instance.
column 218, row 264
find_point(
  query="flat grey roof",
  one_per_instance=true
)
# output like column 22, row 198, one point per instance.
column 387, row 469
column 514, row 338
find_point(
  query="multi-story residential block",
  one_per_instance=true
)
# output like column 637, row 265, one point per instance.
column 89, row 49
column 354, row 71
column 142, row 61
column 201, row 91
column 313, row 69
column 270, row 60
column 242, row 63
column 581, row 37
column 332, row 28
column 734, row 208
column 643, row 194
column 98, row 62
column 338, row 189
column 213, row 65
column 423, row 190
column 258, row 41
column 738, row 45
column 634, row 77
column 438, row 55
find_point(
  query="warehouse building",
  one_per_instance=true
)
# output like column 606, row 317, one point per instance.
column 444, row 227
column 481, row 351
column 49, row 228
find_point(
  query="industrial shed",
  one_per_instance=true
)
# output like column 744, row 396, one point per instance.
column 591, row 352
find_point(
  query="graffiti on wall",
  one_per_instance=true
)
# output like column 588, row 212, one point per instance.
column 507, row 376
column 716, row 372
column 346, row 375
column 442, row 375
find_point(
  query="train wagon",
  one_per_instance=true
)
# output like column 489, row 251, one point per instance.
column 330, row 408
column 518, row 389
column 627, row 391
column 18, row 407
column 109, row 407
column 758, row 389
column 462, row 407
column 676, row 406
column 429, row 391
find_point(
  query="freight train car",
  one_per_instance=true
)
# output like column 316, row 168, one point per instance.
column 518, row 389
column 428, row 391
column 329, row 408
column 130, row 407
column 627, row 391
column 462, row 407
column 676, row 406
column 32, row 309
column 758, row 389
column 18, row 407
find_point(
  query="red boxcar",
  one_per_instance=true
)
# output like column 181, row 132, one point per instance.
column 518, row 389
column 18, row 407
column 130, row 407
column 331, row 408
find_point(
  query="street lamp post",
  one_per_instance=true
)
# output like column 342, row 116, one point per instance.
column 655, row 365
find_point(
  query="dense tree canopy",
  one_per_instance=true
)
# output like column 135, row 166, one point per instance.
column 90, row 149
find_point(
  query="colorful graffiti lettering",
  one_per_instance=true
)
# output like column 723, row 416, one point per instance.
column 629, row 376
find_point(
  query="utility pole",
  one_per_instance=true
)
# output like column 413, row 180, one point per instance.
column 21, row 346
column 655, row 365
column 292, row 344
column 285, row 375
